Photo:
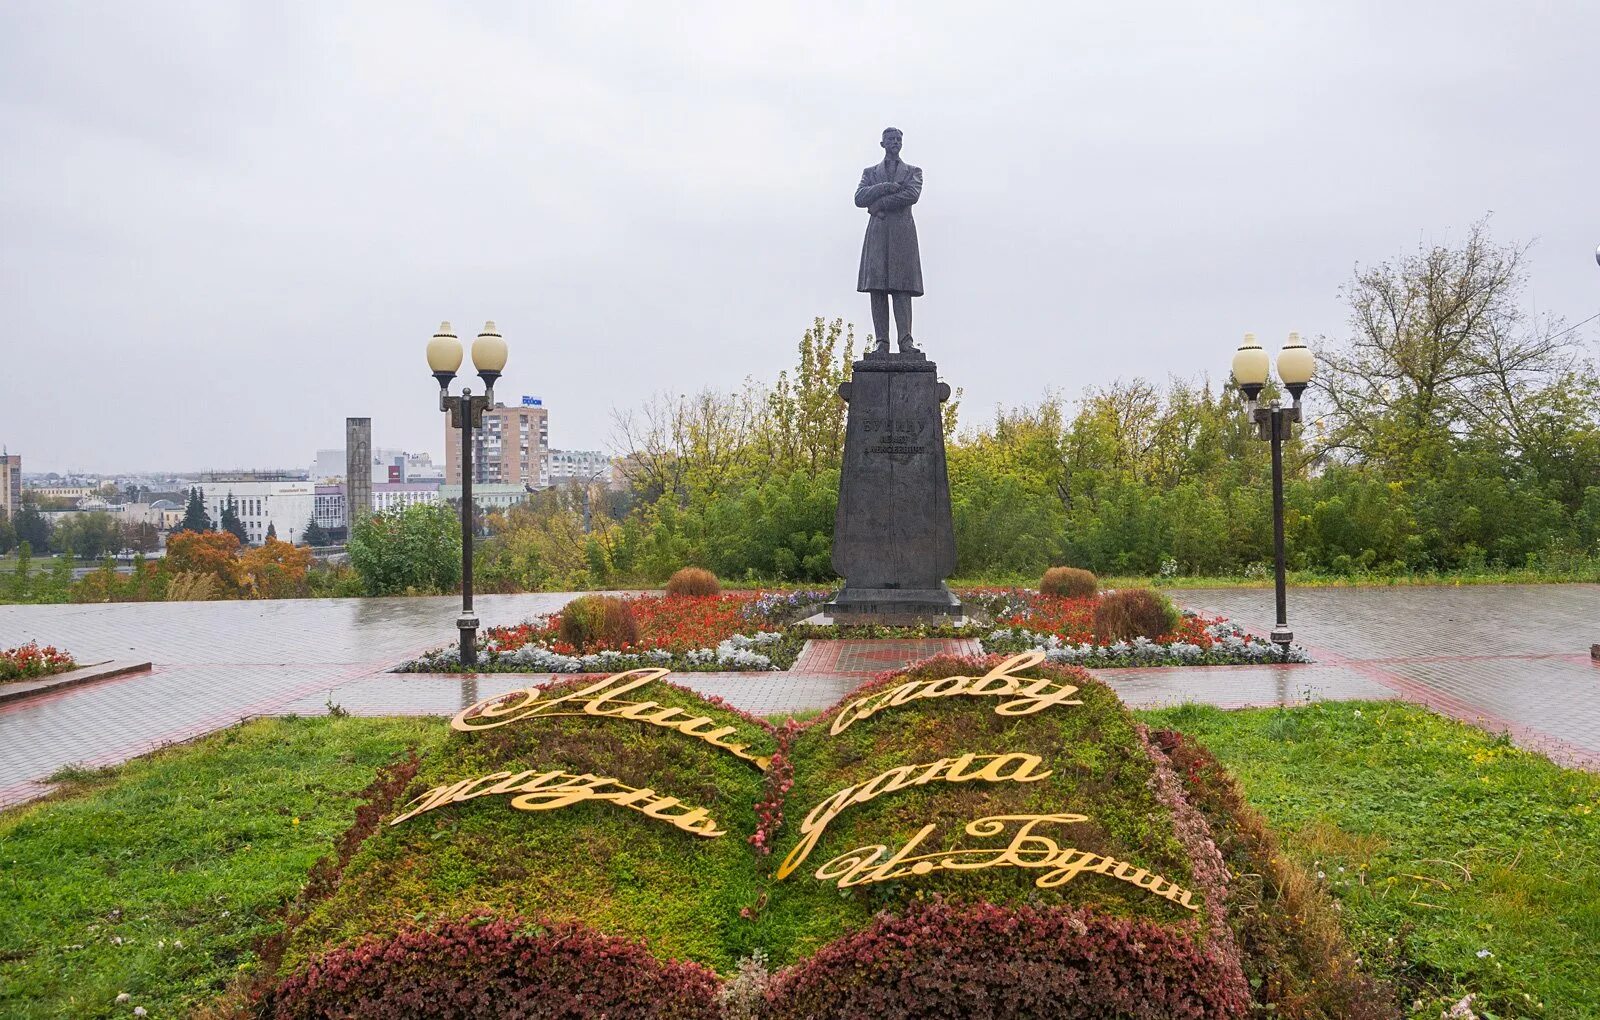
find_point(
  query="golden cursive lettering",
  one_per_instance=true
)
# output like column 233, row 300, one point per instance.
column 950, row 770
column 1026, row 696
column 601, row 700
column 1027, row 849
column 547, row 791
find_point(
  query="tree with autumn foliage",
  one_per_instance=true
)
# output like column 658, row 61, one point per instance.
column 274, row 570
column 206, row 552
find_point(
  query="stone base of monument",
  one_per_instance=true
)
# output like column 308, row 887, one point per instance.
column 895, row 607
column 893, row 538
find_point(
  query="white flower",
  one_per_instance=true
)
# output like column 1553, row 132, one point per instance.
column 123, row 996
column 1484, row 953
column 140, row 1011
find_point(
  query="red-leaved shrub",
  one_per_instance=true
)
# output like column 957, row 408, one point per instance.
column 1133, row 612
column 481, row 967
column 693, row 581
column 591, row 622
column 984, row 962
column 1069, row 582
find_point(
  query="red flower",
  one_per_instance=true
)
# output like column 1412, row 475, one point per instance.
column 29, row 661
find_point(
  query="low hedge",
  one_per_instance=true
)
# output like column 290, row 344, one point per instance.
column 489, row 968
column 984, row 962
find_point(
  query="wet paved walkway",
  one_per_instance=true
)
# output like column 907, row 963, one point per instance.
column 1512, row 658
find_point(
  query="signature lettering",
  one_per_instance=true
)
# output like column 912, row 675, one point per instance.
column 994, row 768
column 547, row 791
column 1027, row 849
column 601, row 700
column 1026, row 696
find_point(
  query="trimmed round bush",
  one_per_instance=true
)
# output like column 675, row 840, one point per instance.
column 591, row 622
column 491, row 968
column 1022, row 963
column 1134, row 612
column 1069, row 582
column 694, row 581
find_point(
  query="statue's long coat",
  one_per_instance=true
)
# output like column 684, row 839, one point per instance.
column 889, row 257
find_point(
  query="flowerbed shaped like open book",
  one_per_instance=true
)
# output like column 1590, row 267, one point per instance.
column 965, row 838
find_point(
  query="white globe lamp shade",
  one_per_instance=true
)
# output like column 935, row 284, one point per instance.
column 489, row 350
column 444, row 351
column 1250, row 364
column 1295, row 363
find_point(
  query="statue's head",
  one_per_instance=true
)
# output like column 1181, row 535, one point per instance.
column 891, row 142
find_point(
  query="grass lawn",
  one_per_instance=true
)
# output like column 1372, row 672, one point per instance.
column 1461, row 864
column 156, row 877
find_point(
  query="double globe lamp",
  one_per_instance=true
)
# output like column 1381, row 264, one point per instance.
column 466, row 413
column 1251, row 371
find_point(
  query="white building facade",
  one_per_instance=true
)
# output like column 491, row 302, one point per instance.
column 286, row 507
column 399, row 495
column 577, row 466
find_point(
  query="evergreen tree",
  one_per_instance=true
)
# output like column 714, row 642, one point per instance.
column 272, row 532
column 8, row 535
column 194, row 515
column 231, row 523
column 33, row 527
column 315, row 534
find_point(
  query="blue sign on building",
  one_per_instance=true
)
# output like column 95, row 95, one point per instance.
column 528, row 401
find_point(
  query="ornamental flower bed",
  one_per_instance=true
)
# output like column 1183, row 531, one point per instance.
column 730, row 632
column 1063, row 628
column 756, row 632
column 30, row 662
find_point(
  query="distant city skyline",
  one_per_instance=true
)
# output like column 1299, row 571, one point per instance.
column 226, row 227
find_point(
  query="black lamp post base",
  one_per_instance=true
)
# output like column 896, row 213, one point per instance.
column 468, row 625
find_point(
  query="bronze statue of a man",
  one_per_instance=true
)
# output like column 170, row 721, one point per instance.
column 891, row 266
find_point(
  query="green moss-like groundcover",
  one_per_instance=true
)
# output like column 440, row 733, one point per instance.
column 714, row 902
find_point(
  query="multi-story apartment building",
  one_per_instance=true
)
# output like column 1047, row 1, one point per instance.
column 10, row 484
column 578, row 466
column 510, row 449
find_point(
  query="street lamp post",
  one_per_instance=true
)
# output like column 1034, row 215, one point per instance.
column 1273, row 422
column 466, row 413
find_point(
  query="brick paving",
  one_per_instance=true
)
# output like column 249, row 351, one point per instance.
column 1512, row 658
column 868, row 657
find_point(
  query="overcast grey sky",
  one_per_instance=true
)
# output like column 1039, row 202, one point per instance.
column 224, row 227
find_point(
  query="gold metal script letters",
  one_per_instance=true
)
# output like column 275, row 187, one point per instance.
column 998, row 768
column 1027, row 849
column 599, row 699
column 546, row 791
column 1027, row 696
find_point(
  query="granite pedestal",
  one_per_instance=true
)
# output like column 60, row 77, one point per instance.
column 893, row 537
